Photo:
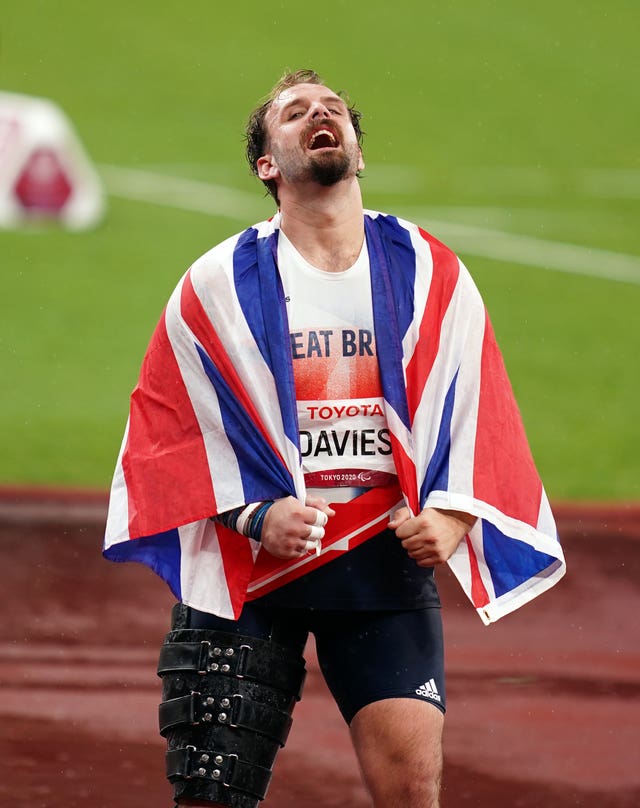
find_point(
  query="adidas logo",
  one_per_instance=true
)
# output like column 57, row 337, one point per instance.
column 429, row 690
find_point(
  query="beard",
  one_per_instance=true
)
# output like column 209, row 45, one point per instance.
column 327, row 168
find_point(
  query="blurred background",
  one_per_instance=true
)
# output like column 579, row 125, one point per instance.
column 508, row 130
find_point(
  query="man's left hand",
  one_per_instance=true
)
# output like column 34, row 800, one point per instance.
column 433, row 535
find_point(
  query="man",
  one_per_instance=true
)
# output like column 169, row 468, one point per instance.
column 311, row 378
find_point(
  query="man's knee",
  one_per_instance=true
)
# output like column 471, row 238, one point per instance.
column 401, row 784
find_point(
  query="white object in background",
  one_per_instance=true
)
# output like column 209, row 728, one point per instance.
column 45, row 172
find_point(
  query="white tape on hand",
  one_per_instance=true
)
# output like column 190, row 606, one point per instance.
column 310, row 546
column 321, row 518
column 316, row 533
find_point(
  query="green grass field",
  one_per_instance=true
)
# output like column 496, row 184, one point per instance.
column 509, row 130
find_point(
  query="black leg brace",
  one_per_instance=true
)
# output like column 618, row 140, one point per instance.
column 226, row 711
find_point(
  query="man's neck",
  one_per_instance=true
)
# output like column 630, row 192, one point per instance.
column 326, row 227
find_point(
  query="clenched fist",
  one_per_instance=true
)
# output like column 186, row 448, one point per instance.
column 291, row 528
column 433, row 535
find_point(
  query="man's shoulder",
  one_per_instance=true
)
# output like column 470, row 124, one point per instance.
column 395, row 220
column 401, row 230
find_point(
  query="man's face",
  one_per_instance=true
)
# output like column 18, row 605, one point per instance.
column 310, row 137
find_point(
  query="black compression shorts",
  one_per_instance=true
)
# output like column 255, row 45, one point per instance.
column 365, row 656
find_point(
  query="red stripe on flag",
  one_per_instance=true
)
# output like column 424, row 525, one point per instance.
column 161, row 414
column 446, row 270
column 203, row 330
column 237, row 560
column 504, row 471
column 406, row 470
column 479, row 594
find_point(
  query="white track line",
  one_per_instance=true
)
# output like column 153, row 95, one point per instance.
column 531, row 251
column 219, row 200
column 186, row 194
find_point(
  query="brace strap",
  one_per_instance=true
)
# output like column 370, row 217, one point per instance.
column 234, row 658
column 234, row 710
column 228, row 770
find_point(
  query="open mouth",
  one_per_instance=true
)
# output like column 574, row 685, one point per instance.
column 322, row 139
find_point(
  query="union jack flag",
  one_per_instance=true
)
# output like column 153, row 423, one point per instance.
column 213, row 426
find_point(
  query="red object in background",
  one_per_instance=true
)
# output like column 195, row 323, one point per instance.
column 43, row 185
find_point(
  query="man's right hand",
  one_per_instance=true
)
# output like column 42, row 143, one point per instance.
column 289, row 526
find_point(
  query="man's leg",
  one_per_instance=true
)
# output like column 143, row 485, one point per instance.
column 385, row 671
column 398, row 743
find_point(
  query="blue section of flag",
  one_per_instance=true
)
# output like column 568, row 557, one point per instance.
column 400, row 260
column 512, row 562
column 436, row 477
column 392, row 297
column 161, row 552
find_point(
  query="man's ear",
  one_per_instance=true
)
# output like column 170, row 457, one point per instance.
column 267, row 168
column 360, row 161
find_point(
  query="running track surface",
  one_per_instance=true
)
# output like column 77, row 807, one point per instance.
column 544, row 706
